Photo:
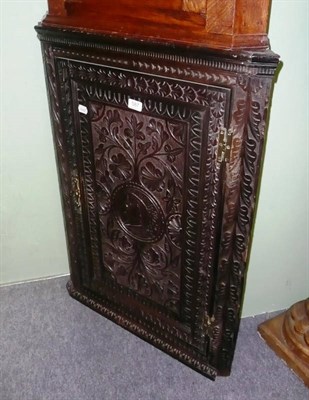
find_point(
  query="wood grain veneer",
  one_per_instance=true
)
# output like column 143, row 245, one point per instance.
column 234, row 24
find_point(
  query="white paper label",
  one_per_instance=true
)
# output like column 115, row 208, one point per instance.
column 82, row 109
column 135, row 105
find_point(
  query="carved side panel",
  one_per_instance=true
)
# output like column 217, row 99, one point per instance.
column 242, row 173
column 66, row 159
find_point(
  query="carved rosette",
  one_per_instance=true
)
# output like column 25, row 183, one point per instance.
column 174, row 229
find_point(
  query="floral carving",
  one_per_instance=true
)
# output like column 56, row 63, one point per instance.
column 120, row 167
column 139, row 173
column 152, row 177
column 174, row 228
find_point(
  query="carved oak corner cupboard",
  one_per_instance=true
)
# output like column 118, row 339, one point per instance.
column 158, row 111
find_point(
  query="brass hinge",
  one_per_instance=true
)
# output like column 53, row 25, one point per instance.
column 208, row 325
column 75, row 193
column 224, row 146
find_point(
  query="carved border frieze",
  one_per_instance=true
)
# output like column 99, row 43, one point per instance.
column 247, row 62
column 68, row 174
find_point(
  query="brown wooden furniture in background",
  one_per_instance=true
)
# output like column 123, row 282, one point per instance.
column 288, row 335
column 158, row 112
column 210, row 23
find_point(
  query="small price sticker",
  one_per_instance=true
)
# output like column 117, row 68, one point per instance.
column 135, row 105
column 82, row 109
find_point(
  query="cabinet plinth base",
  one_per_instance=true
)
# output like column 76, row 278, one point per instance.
column 287, row 336
column 125, row 322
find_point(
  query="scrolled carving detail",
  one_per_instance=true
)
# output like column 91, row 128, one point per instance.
column 174, row 229
column 64, row 169
column 241, row 184
column 168, row 89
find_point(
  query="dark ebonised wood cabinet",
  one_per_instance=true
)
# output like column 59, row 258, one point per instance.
column 159, row 149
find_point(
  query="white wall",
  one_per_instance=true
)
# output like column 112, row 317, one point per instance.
column 32, row 234
column 278, row 273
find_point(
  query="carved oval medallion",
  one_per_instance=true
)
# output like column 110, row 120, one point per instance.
column 138, row 212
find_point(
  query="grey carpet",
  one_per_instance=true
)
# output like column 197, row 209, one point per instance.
column 54, row 348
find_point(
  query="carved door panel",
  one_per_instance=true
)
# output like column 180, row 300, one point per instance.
column 147, row 198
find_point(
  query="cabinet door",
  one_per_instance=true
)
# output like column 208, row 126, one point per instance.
column 143, row 156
